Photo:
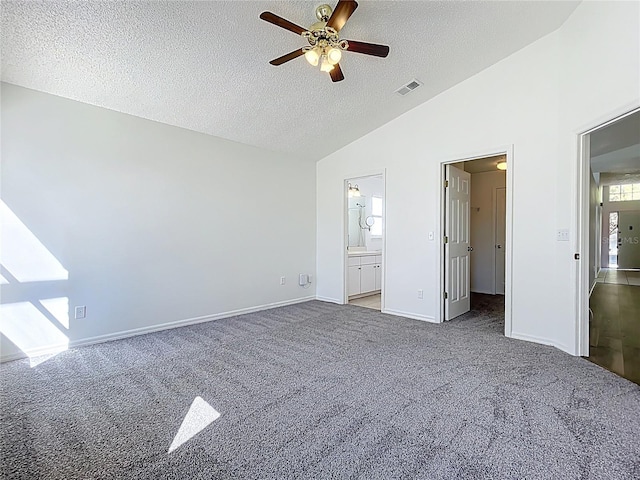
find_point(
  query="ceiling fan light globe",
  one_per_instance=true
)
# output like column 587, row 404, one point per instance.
column 312, row 57
column 323, row 12
column 334, row 55
column 325, row 66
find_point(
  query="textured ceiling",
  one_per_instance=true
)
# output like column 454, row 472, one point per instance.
column 481, row 165
column 204, row 65
column 615, row 150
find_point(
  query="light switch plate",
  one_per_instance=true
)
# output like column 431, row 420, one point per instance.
column 563, row 235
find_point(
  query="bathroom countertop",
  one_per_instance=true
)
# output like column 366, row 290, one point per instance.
column 364, row 253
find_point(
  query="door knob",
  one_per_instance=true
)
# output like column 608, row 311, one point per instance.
column 498, row 246
column 469, row 249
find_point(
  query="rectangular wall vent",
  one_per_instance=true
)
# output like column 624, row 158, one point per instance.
column 412, row 85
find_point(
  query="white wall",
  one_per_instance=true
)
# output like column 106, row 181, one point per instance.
column 537, row 100
column 483, row 229
column 154, row 223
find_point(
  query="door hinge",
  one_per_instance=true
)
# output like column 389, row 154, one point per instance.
column 445, row 239
column 445, row 295
column 446, row 183
column 576, row 256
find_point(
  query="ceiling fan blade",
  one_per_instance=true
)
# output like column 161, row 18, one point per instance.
column 287, row 57
column 336, row 73
column 281, row 22
column 368, row 48
column 341, row 14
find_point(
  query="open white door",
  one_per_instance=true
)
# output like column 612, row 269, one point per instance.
column 501, row 219
column 456, row 249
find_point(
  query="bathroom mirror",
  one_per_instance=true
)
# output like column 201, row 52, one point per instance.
column 356, row 219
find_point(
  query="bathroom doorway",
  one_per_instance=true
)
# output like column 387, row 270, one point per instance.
column 364, row 221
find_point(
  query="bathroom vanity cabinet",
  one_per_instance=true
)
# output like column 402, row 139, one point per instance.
column 365, row 273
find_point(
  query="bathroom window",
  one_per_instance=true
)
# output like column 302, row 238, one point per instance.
column 623, row 193
column 376, row 213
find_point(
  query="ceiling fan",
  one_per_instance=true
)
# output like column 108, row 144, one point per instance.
column 325, row 48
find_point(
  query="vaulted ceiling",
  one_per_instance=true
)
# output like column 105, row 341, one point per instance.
column 204, row 65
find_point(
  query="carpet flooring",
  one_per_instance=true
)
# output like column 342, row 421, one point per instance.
column 317, row 390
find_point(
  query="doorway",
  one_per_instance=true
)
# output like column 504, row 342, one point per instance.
column 609, row 280
column 475, row 219
column 364, row 221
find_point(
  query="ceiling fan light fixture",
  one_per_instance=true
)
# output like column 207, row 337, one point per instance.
column 326, row 65
column 313, row 56
column 334, row 55
column 324, row 44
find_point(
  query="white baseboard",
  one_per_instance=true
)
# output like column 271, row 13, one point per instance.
column 413, row 316
column 483, row 292
column 542, row 341
column 13, row 356
column 157, row 328
column 328, row 299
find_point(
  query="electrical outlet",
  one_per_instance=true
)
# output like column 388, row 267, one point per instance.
column 303, row 280
column 80, row 312
column 420, row 294
column 282, row 280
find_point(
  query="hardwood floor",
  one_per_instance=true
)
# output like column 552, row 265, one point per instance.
column 620, row 277
column 614, row 329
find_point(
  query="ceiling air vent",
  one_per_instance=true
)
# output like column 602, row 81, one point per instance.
column 412, row 85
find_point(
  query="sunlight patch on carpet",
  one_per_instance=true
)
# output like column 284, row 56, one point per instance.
column 199, row 416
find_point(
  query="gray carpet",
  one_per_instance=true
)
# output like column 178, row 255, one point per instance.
column 321, row 391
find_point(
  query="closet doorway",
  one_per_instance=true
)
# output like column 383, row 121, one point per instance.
column 474, row 216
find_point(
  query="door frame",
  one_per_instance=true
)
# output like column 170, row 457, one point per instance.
column 581, row 223
column 491, row 152
column 345, row 233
